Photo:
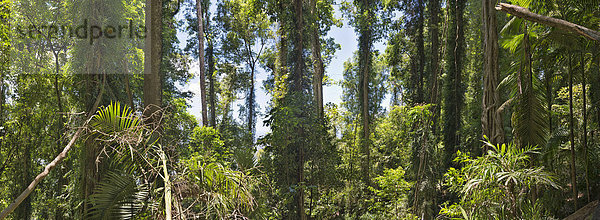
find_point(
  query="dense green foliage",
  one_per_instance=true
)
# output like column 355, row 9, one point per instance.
column 404, row 140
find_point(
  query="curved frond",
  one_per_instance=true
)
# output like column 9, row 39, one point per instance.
column 117, row 197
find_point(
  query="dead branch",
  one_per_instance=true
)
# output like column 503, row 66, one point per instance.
column 550, row 21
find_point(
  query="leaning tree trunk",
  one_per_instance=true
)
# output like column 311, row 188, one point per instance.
column 553, row 22
column 491, row 119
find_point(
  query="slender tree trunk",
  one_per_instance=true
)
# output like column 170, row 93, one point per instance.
column 152, row 55
column 127, row 86
column 251, row 101
column 491, row 119
column 201, row 62
column 59, row 143
column 317, row 60
column 434, row 12
column 572, row 137
column 25, row 194
column 212, row 96
column 548, row 82
column 584, row 112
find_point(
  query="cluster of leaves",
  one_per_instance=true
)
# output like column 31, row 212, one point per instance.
column 498, row 184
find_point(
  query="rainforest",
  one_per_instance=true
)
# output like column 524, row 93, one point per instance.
column 299, row 109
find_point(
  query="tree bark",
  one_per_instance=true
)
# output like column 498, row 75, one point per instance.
column 550, row 21
column 201, row 62
column 152, row 87
column 491, row 119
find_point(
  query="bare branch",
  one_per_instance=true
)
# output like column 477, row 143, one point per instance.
column 550, row 21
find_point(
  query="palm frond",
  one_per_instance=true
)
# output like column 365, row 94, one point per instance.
column 113, row 119
column 117, row 197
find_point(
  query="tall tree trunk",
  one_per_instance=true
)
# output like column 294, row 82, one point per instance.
column 298, row 89
column 201, row 62
column 281, row 65
column 152, row 55
column 212, row 96
column 317, row 60
column 364, row 69
column 453, row 97
column 434, row 12
column 251, row 104
column 420, row 50
column 59, row 212
column 584, row 112
column 572, row 136
column 491, row 119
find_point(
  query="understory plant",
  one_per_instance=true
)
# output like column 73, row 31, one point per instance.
column 500, row 184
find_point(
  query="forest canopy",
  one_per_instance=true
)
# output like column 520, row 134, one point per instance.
column 299, row 109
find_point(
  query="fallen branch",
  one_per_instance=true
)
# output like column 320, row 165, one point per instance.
column 550, row 21
column 56, row 160
column 41, row 176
